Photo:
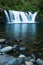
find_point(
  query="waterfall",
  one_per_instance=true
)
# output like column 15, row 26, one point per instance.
column 20, row 17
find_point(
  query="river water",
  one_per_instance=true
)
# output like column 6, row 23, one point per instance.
column 30, row 34
column 25, row 32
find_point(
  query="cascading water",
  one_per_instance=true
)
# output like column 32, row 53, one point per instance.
column 20, row 17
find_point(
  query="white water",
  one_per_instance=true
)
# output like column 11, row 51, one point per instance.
column 20, row 17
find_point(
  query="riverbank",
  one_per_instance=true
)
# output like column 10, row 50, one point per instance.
column 19, row 54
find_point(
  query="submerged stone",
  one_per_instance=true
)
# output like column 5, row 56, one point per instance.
column 22, row 48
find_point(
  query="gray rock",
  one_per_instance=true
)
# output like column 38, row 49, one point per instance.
column 28, row 63
column 32, row 60
column 14, row 62
column 23, row 57
column 5, row 59
column 6, row 49
column 22, row 48
column 27, row 58
column 33, row 56
column 0, row 46
column 39, row 61
column 15, row 47
column 2, row 40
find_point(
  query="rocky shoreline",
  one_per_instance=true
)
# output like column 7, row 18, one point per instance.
column 22, row 59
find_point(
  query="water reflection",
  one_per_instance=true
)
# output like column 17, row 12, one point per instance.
column 24, row 30
column 20, row 31
column 17, row 30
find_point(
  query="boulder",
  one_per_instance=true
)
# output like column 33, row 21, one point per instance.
column 14, row 62
column 4, row 58
column 39, row 61
column 9, row 60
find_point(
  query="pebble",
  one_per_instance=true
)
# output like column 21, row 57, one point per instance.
column 2, row 40
column 28, row 63
column 27, row 58
column 22, row 48
column 33, row 56
column 22, row 56
column 15, row 47
column 32, row 60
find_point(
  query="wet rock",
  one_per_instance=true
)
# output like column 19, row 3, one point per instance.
column 17, row 53
column 4, row 45
column 33, row 56
column 22, row 56
column 32, row 60
column 6, row 49
column 22, row 48
column 28, row 63
column 15, row 47
column 27, row 58
column 39, row 61
column 5, row 59
column 14, row 62
column 2, row 40
column 0, row 46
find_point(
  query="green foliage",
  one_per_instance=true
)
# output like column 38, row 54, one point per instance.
column 23, row 5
